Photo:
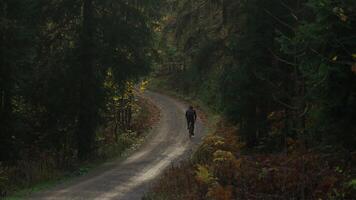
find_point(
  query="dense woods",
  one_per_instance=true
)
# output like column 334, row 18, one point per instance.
column 282, row 75
column 279, row 69
column 67, row 68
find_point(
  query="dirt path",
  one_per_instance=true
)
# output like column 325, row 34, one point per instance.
column 130, row 179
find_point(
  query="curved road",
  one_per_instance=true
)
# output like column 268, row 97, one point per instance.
column 130, row 179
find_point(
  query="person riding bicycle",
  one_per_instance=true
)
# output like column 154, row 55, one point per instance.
column 191, row 117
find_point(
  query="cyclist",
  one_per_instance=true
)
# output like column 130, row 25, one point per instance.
column 191, row 117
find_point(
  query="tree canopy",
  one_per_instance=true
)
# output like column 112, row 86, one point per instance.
column 262, row 63
column 55, row 56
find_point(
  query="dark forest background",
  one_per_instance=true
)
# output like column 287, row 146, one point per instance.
column 263, row 63
column 282, row 72
column 67, row 69
column 282, row 75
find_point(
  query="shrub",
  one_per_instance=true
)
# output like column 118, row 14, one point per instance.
column 221, row 172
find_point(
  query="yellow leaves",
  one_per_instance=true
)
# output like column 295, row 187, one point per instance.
column 143, row 86
column 341, row 14
column 220, row 156
column 118, row 95
column 130, row 86
column 226, row 140
column 205, row 152
column 109, row 82
column 109, row 72
column 203, row 175
column 215, row 140
column 116, row 98
column 225, row 166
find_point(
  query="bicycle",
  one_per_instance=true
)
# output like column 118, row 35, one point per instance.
column 191, row 129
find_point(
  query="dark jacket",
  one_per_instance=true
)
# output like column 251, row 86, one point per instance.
column 191, row 115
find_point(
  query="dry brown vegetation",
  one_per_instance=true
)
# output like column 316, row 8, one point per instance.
column 221, row 170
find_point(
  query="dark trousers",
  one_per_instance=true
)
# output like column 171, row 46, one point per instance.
column 191, row 123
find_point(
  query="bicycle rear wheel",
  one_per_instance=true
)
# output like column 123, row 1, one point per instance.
column 191, row 130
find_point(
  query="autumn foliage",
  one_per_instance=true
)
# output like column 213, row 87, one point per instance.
column 220, row 171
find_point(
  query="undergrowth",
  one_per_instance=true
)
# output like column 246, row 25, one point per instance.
column 42, row 170
column 220, row 171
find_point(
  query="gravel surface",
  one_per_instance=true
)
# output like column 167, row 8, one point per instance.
column 130, row 179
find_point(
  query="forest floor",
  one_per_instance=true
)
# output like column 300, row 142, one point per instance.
column 168, row 143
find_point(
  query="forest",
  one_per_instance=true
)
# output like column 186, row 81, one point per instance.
column 281, row 74
column 67, row 69
column 292, row 61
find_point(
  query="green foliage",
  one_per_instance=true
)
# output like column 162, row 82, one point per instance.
column 3, row 181
column 284, row 74
column 54, row 57
column 352, row 184
column 328, row 44
column 250, row 59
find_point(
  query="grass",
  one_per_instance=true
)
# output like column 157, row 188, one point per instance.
column 38, row 187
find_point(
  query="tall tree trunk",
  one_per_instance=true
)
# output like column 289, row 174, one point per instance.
column 88, row 105
column 261, row 113
column 251, row 125
column 6, row 86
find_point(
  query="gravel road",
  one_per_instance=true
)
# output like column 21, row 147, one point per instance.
column 130, row 179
